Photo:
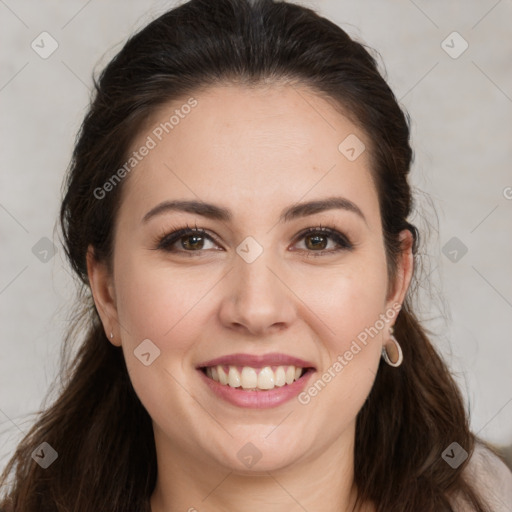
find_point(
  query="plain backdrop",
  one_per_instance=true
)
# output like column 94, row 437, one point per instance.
column 450, row 65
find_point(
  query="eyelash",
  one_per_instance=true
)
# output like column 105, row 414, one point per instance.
column 164, row 242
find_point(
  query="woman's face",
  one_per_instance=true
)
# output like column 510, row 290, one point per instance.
column 254, row 298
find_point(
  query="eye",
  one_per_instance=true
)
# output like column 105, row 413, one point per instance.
column 187, row 240
column 317, row 240
column 193, row 241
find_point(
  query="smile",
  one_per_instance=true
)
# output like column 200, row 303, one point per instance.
column 254, row 379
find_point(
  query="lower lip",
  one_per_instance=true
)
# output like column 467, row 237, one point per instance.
column 258, row 399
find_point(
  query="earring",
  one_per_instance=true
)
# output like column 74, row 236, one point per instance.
column 111, row 335
column 385, row 356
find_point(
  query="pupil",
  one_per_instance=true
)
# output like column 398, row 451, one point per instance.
column 315, row 244
column 192, row 246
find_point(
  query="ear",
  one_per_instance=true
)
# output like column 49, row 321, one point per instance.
column 404, row 270
column 102, row 288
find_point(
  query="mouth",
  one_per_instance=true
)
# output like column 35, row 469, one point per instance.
column 254, row 381
column 248, row 378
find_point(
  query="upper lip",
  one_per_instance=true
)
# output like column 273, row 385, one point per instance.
column 257, row 361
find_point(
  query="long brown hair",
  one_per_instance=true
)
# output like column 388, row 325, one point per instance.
column 102, row 433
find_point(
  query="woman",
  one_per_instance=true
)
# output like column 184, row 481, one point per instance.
column 236, row 210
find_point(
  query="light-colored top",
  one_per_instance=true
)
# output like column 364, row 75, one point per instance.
column 492, row 479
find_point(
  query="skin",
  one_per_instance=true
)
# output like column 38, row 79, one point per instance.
column 255, row 151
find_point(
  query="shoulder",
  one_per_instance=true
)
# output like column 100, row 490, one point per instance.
column 491, row 477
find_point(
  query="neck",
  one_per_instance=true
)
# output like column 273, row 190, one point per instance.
column 321, row 481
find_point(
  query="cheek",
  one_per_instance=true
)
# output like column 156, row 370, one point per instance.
column 350, row 303
column 160, row 303
column 164, row 306
column 347, row 299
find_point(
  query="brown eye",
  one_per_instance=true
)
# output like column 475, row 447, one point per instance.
column 316, row 241
column 186, row 240
column 192, row 242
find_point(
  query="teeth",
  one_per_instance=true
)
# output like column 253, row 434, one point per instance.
column 248, row 378
column 223, row 378
column 290, row 374
column 266, row 378
column 254, row 378
column 233, row 377
column 280, row 376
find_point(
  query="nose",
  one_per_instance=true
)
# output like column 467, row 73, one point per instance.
column 257, row 299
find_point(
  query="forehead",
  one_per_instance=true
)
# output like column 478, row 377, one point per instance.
column 257, row 148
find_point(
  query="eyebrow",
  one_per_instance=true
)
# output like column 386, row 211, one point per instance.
column 215, row 212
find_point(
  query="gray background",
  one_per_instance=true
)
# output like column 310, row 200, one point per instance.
column 461, row 110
